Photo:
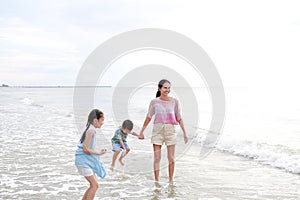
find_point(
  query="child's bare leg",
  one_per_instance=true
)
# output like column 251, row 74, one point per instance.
column 114, row 160
column 123, row 155
column 91, row 191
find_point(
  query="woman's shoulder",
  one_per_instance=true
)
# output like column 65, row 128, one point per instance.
column 154, row 100
column 160, row 101
column 174, row 99
column 171, row 99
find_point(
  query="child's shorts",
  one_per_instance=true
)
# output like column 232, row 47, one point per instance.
column 164, row 133
column 85, row 171
column 117, row 147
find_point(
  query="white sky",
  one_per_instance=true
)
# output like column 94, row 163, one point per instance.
column 252, row 43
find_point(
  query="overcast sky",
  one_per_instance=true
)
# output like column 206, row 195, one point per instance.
column 251, row 42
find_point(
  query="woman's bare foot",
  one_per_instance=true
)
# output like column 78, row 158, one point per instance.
column 157, row 185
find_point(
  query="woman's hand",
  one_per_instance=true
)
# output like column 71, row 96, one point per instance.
column 146, row 122
column 141, row 136
column 186, row 139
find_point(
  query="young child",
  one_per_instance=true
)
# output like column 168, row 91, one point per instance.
column 119, row 142
column 86, row 158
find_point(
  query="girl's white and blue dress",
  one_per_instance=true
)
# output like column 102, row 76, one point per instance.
column 90, row 161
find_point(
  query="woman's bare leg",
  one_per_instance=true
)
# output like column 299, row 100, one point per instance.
column 157, row 156
column 171, row 159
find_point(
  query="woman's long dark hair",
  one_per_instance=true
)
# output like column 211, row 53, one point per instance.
column 160, row 84
column 94, row 114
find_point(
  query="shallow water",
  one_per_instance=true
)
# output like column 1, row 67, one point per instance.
column 38, row 139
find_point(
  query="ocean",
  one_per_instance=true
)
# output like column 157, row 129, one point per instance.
column 257, row 155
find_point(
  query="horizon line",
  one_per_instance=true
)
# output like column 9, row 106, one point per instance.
column 51, row 86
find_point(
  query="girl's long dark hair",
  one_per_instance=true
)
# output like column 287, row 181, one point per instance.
column 94, row 114
column 160, row 84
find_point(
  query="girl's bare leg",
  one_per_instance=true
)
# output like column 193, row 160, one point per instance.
column 156, row 165
column 91, row 191
column 112, row 167
column 171, row 159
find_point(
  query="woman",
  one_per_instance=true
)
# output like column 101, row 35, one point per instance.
column 167, row 114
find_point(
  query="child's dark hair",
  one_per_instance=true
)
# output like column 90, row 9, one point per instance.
column 127, row 124
column 160, row 84
column 94, row 114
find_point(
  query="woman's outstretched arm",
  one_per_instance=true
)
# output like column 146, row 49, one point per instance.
column 146, row 122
